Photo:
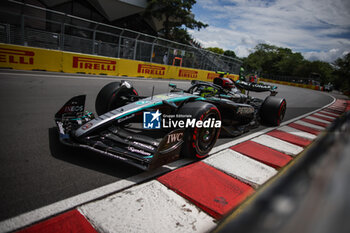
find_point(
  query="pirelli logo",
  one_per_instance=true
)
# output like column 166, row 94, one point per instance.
column 15, row 56
column 188, row 73
column 150, row 69
column 94, row 64
column 211, row 76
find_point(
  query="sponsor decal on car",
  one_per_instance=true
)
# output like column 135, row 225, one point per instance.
column 94, row 64
column 87, row 126
column 144, row 145
column 139, row 151
column 163, row 97
column 245, row 110
column 60, row 127
column 74, row 108
column 175, row 137
column 16, row 56
column 142, row 102
column 150, row 69
column 172, row 141
column 126, row 118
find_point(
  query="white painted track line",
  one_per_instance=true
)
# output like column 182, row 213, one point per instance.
column 240, row 140
column 310, row 125
column 72, row 202
column 325, row 116
column 330, row 113
column 95, row 77
column 45, row 212
column 277, row 144
column 241, row 167
column 149, row 207
column 297, row 132
column 317, row 119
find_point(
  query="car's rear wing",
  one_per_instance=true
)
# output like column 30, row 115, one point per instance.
column 256, row 87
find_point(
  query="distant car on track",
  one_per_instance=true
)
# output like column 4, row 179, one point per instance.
column 328, row 87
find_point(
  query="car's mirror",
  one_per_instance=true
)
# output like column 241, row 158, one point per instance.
column 172, row 85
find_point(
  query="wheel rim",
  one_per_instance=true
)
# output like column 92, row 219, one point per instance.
column 206, row 137
column 281, row 112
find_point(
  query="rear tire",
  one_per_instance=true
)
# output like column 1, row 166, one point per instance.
column 199, row 141
column 112, row 96
column 273, row 110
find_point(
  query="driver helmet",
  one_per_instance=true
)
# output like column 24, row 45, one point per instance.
column 221, row 74
column 208, row 91
column 227, row 83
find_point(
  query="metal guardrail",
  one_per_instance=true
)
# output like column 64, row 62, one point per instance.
column 56, row 30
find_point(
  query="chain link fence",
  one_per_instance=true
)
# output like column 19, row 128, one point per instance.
column 55, row 30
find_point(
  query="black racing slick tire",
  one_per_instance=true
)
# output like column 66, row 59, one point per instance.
column 198, row 141
column 273, row 110
column 112, row 96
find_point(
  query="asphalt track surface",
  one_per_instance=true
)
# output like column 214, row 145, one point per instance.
column 36, row 170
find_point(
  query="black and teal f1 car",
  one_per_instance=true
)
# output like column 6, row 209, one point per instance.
column 148, row 132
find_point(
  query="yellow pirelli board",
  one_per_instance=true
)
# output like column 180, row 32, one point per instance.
column 291, row 84
column 28, row 58
column 88, row 64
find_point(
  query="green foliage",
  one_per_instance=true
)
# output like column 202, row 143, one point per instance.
column 273, row 60
column 181, row 35
column 230, row 53
column 216, row 50
column 341, row 77
column 176, row 17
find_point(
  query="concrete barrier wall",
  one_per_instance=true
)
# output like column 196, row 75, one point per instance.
column 29, row 58
column 88, row 64
column 291, row 84
column 26, row 58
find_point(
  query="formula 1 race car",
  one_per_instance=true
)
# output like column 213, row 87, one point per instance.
column 148, row 132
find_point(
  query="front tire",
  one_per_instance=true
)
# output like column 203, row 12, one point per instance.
column 198, row 141
column 112, row 96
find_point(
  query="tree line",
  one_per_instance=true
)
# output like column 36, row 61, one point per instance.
column 176, row 17
column 272, row 60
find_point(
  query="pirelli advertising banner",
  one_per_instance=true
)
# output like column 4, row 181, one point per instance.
column 28, row 58
column 88, row 64
column 151, row 70
column 211, row 75
column 291, row 84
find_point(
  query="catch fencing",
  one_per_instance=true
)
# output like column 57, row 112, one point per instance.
column 40, row 27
